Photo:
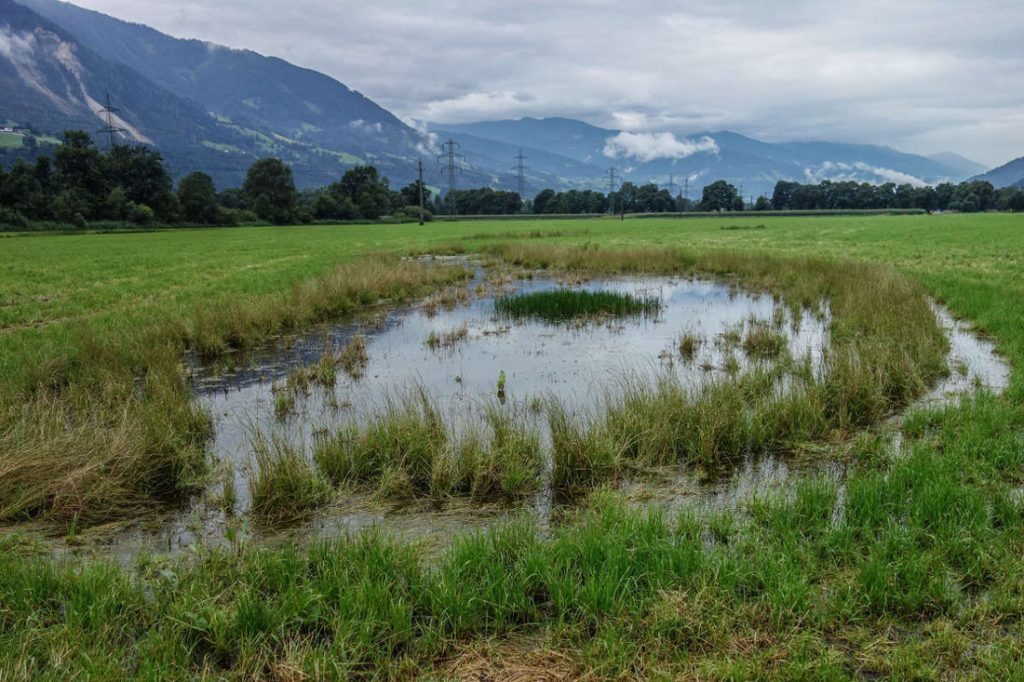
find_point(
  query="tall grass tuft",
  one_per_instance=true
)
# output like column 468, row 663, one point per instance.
column 583, row 454
column 569, row 304
column 284, row 486
column 409, row 452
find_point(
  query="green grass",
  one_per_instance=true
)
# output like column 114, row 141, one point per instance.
column 570, row 304
column 409, row 452
column 284, row 486
column 11, row 141
column 910, row 570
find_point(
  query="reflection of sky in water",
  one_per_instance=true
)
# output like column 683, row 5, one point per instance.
column 577, row 365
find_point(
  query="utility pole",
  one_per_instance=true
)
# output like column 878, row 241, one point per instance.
column 422, row 207
column 520, row 171
column 449, row 161
column 108, row 110
column 612, row 180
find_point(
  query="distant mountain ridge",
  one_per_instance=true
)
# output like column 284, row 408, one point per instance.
column 963, row 164
column 1008, row 175
column 704, row 157
column 216, row 109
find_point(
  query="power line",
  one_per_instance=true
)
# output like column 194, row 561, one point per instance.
column 520, row 171
column 110, row 130
column 422, row 208
column 451, row 161
column 612, row 182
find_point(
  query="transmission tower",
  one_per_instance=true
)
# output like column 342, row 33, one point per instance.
column 451, row 162
column 520, row 170
column 672, row 184
column 612, row 182
column 686, row 189
column 422, row 206
column 108, row 111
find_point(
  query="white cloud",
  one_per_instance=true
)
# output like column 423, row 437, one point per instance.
column 931, row 75
column 646, row 147
column 364, row 127
column 860, row 172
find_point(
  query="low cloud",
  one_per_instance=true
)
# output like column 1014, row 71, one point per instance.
column 429, row 144
column 860, row 172
column 17, row 47
column 646, row 147
column 364, row 127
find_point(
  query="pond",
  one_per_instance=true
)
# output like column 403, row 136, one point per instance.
column 454, row 348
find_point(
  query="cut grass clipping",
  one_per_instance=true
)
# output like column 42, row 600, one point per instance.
column 566, row 304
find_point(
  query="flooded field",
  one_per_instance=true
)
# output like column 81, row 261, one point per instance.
column 468, row 361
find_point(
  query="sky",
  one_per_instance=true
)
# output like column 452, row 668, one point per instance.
column 922, row 76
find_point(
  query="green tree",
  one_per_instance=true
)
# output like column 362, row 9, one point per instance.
column 540, row 202
column 140, row 171
column 198, row 199
column 719, row 196
column 365, row 188
column 411, row 194
column 80, row 166
column 782, row 197
column 270, row 190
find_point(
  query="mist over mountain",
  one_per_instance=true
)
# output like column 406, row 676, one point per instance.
column 958, row 162
column 216, row 109
column 703, row 157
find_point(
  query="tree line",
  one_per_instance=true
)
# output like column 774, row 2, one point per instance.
column 967, row 197
column 82, row 184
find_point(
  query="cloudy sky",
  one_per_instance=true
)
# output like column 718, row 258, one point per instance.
column 919, row 75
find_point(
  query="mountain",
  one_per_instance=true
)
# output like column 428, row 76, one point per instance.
column 205, row 107
column 542, row 168
column 1007, row 175
column 963, row 164
column 698, row 159
column 563, row 136
column 242, row 86
column 216, row 109
column 50, row 82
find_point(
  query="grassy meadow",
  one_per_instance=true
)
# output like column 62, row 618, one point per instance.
column 910, row 569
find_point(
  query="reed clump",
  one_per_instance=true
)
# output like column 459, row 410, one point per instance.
column 571, row 304
column 762, row 341
column 284, row 486
column 689, row 345
column 448, row 339
column 410, row 452
column 354, row 358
